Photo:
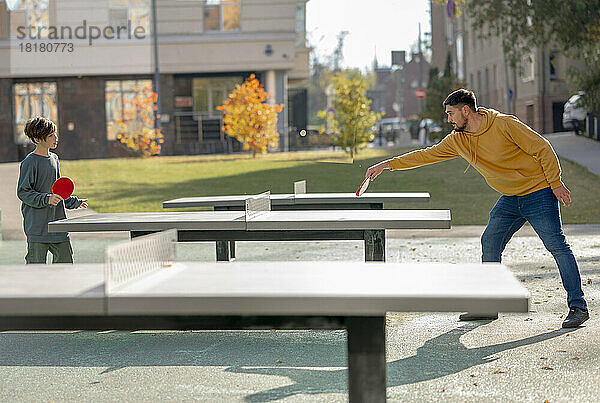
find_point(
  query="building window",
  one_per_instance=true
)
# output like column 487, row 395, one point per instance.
column 301, row 24
column 528, row 67
column 136, row 12
column 553, row 61
column 127, row 108
column 221, row 15
column 208, row 93
column 31, row 14
column 31, row 100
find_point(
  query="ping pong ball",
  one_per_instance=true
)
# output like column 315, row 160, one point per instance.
column 303, row 132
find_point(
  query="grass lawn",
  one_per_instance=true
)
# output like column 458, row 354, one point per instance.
column 128, row 185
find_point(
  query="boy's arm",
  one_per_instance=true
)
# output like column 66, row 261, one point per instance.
column 25, row 191
column 534, row 144
column 72, row 202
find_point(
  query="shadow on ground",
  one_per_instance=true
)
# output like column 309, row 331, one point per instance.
column 311, row 360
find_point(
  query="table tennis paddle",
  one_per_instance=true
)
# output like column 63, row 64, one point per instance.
column 63, row 187
column 363, row 186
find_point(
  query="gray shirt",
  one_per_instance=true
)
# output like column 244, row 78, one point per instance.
column 37, row 175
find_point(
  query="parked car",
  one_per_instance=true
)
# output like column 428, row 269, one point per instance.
column 574, row 114
column 429, row 132
column 389, row 130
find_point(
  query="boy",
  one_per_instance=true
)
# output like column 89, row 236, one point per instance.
column 522, row 166
column 38, row 172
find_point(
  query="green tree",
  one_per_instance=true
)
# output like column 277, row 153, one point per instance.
column 323, row 71
column 352, row 121
column 438, row 88
column 316, row 85
column 572, row 25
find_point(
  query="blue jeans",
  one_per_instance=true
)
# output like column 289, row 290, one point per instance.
column 541, row 209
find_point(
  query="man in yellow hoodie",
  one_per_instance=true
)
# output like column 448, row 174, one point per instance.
column 521, row 165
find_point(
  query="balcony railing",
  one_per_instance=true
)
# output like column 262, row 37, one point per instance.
column 201, row 133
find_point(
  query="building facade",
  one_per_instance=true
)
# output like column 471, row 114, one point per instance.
column 98, row 54
column 415, row 76
column 395, row 90
column 384, row 95
column 535, row 92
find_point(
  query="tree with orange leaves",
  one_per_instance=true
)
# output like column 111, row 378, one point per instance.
column 250, row 118
column 136, row 126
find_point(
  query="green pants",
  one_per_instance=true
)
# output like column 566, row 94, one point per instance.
column 61, row 252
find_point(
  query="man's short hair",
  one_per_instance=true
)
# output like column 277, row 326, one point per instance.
column 462, row 97
column 39, row 128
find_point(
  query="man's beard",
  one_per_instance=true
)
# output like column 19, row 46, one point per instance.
column 462, row 128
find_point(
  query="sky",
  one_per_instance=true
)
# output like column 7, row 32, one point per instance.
column 374, row 27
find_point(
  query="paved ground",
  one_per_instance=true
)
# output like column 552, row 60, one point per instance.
column 582, row 150
column 431, row 357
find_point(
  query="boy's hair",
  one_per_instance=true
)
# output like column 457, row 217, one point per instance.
column 462, row 97
column 39, row 128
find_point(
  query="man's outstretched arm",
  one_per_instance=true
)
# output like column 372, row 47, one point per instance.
column 442, row 151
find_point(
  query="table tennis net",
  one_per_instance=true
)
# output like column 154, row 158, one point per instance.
column 131, row 260
column 300, row 187
column 257, row 205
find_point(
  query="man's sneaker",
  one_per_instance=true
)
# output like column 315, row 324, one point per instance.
column 478, row 316
column 576, row 317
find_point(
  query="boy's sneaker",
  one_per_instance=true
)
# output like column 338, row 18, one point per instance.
column 576, row 317
column 478, row 316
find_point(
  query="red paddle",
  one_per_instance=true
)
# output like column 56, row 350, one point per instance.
column 63, row 187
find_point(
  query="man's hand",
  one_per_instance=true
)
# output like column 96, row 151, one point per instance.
column 562, row 195
column 54, row 199
column 83, row 203
column 374, row 171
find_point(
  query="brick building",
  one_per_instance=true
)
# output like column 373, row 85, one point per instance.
column 204, row 50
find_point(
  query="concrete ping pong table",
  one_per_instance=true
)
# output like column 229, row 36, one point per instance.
column 297, row 225
column 303, row 201
column 298, row 201
column 256, row 295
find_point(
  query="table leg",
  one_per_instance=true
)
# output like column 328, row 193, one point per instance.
column 367, row 368
column 226, row 252
column 232, row 249
column 223, row 252
column 374, row 245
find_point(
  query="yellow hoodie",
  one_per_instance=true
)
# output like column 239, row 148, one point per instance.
column 512, row 158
